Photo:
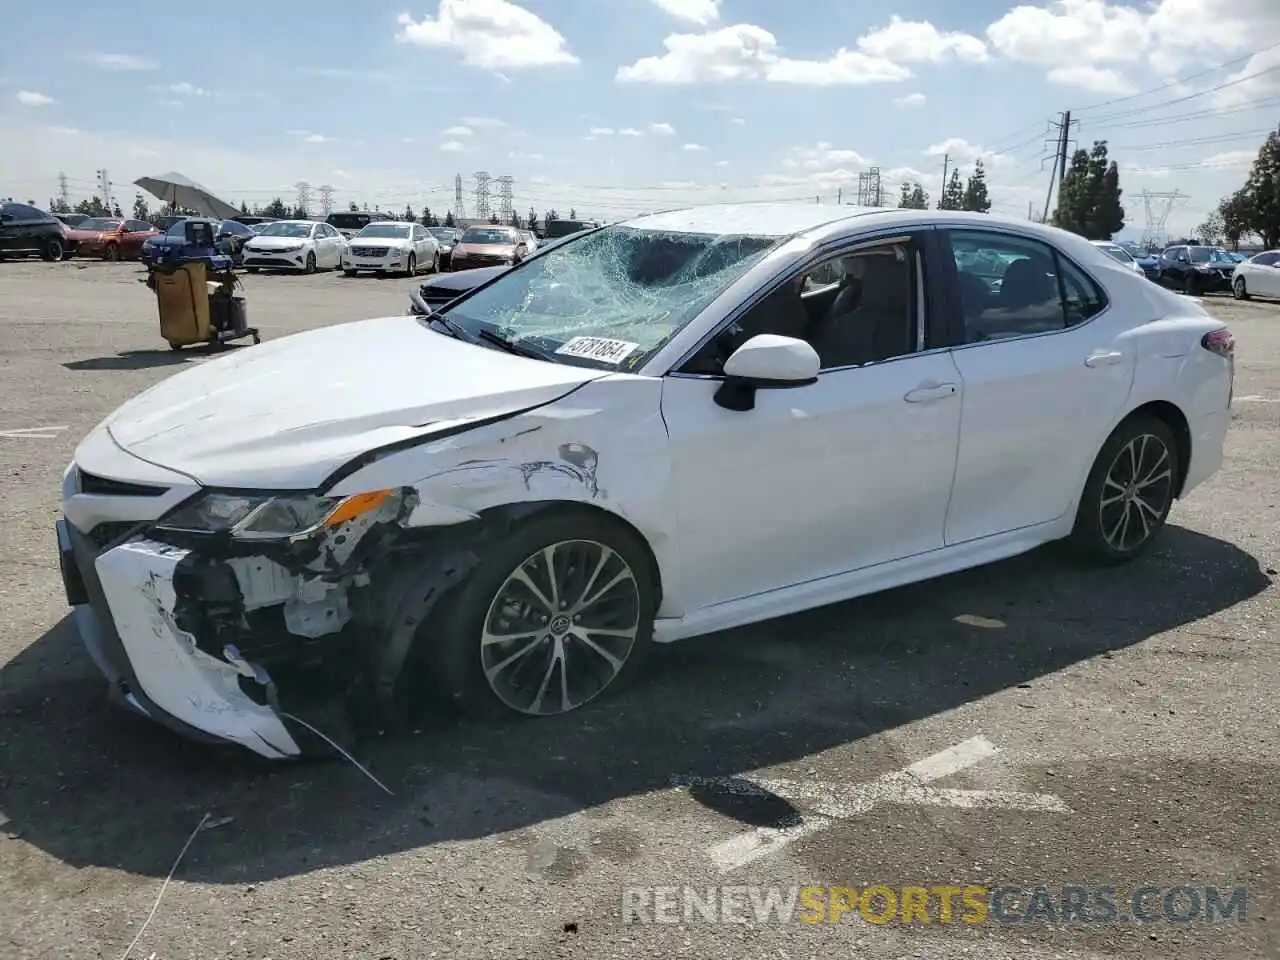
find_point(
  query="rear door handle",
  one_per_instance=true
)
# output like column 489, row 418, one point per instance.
column 1104, row 358
column 939, row 391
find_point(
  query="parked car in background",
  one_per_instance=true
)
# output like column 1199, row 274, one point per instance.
column 1258, row 276
column 436, row 291
column 295, row 245
column 1150, row 264
column 72, row 219
column 110, row 238
column 349, row 223
column 1119, row 254
column 1196, row 269
column 489, row 246
column 530, row 240
column 391, row 247
column 553, row 229
column 164, row 223
column 1237, row 256
column 446, row 237
column 228, row 238
column 252, row 220
column 27, row 230
column 514, row 498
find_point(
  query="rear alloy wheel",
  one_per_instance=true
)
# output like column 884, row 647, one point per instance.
column 1189, row 285
column 53, row 249
column 411, row 268
column 556, row 615
column 311, row 264
column 435, row 262
column 111, row 253
column 1239, row 290
column 1129, row 492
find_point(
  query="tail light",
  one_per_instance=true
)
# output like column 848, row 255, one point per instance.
column 1220, row 342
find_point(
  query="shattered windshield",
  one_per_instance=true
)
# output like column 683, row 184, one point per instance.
column 609, row 298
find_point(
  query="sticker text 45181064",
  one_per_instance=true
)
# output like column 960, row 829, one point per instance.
column 598, row 348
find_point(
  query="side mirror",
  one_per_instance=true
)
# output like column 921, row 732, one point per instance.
column 766, row 362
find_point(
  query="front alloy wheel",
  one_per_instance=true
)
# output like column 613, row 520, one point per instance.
column 560, row 628
column 1239, row 290
column 1129, row 492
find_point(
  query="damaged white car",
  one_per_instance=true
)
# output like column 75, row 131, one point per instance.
column 670, row 426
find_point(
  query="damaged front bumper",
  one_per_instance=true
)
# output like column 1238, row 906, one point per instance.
column 124, row 601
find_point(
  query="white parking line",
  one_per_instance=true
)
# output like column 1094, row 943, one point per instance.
column 33, row 433
column 830, row 803
column 1254, row 399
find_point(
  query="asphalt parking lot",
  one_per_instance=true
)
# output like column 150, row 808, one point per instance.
column 1075, row 727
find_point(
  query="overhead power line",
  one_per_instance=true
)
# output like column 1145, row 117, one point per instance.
column 1191, row 96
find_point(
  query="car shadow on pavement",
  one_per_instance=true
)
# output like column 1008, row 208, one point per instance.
column 90, row 785
column 146, row 359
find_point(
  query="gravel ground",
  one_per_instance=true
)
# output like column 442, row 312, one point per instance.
column 1131, row 713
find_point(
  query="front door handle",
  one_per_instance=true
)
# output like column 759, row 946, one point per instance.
column 1104, row 358
column 935, row 391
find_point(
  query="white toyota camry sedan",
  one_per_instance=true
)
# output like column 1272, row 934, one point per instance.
column 674, row 425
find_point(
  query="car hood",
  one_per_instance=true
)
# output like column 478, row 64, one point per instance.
column 276, row 243
column 460, row 282
column 380, row 243
column 287, row 413
column 484, row 250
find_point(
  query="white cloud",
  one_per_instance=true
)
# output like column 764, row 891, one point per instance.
column 601, row 131
column 490, row 34
column 961, row 151
column 662, row 130
column 119, row 61
column 409, row 140
column 701, row 12
column 914, row 41
column 1230, row 160
column 910, row 100
column 1246, row 85
column 722, row 163
column 64, row 131
column 693, row 148
column 170, row 104
column 31, row 98
column 452, row 146
column 738, row 122
column 1085, row 76
column 187, row 90
column 317, row 138
column 458, row 132
column 821, row 156
column 748, row 52
column 485, row 123
column 630, row 132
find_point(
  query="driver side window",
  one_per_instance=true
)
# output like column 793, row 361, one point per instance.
column 854, row 308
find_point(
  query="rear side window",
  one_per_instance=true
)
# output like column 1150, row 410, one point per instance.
column 1266, row 259
column 1081, row 297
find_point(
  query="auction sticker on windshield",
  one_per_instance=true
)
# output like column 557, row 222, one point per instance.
column 598, row 348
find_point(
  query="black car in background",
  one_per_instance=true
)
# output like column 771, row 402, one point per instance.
column 229, row 237
column 1196, row 269
column 440, row 288
column 350, row 222
column 72, row 220
column 27, row 230
column 555, row 229
column 446, row 237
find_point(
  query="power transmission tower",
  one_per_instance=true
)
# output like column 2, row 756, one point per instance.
column 1061, row 150
column 304, row 197
column 64, row 194
column 482, row 195
column 506, row 199
column 1158, row 206
column 104, row 188
column 870, row 192
column 459, row 211
column 326, row 199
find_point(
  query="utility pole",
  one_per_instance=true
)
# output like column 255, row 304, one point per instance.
column 946, row 164
column 1059, row 172
column 304, row 198
column 839, row 195
column 104, row 187
column 64, row 194
column 326, row 199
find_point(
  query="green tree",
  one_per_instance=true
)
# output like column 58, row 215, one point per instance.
column 140, row 209
column 408, row 213
column 573, row 214
column 59, row 206
column 244, row 208
column 914, row 197
column 1256, row 205
column 533, row 218
column 953, row 193
column 1213, row 230
column 493, row 218
column 976, row 198
column 448, row 219
column 1089, row 196
column 93, row 207
column 301, row 213
column 276, row 208
column 353, row 207
column 429, row 218
column 1234, row 225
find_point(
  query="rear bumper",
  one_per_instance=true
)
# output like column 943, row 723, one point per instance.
column 123, row 601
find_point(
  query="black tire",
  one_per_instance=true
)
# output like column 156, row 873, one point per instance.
column 411, row 267
column 435, row 262
column 452, row 650
column 1239, row 290
column 111, row 253
column 53, row 250
column 1105, row 503
column 311, row 264
column 174, row 346
column 251, row 269
column 1189, row 285
column 348, row 273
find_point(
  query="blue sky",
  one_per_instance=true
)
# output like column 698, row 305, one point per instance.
column 619, row 107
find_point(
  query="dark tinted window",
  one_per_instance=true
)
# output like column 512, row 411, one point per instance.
column 562, row 228
column 20, row 211
column 1266, row 259
column 234, row 227
column 490, row 235
column 1012, row 286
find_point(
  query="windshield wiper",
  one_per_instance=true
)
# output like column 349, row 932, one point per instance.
column 451, row 327
column 511, row 346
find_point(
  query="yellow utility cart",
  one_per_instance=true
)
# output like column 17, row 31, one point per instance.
column 196, row 294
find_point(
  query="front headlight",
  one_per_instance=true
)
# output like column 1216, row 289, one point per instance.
column 286, row 516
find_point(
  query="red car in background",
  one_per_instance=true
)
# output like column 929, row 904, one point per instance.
column 111, row 238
